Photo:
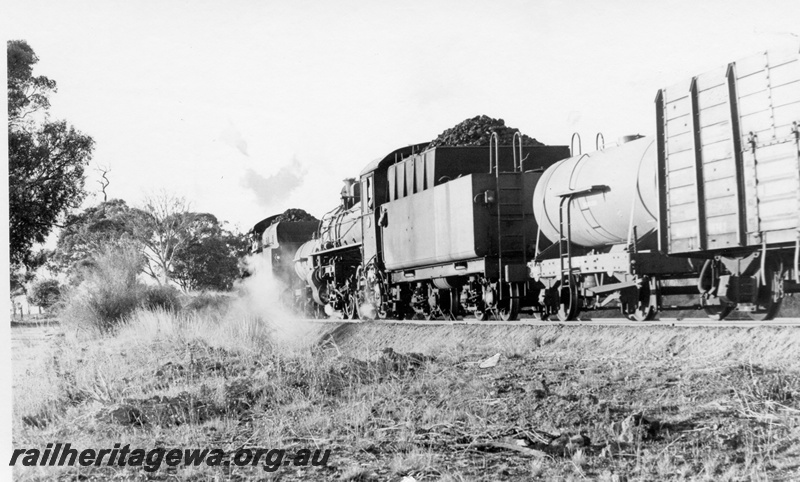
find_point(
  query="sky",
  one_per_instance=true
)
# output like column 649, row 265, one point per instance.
column 247, row 108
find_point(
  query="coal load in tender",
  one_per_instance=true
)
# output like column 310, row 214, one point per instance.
column 294, row 215
column 476, row 132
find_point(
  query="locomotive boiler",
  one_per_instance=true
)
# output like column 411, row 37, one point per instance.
column 329, row 262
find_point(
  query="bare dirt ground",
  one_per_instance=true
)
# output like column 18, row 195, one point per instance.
column 458, row 402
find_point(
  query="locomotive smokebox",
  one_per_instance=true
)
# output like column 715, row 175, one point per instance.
column 606, row 217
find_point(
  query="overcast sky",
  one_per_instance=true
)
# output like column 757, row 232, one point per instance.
column 249, row 107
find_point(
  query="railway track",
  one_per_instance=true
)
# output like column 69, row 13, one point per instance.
column 684, row 322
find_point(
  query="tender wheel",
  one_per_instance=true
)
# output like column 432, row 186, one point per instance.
column 433, row 310
column 509, row 306
column 717, row 311
column 481, row 314
column 770, row 294
column 453, row 304
column 444, row 304
column 487, row 304
column 538, row 316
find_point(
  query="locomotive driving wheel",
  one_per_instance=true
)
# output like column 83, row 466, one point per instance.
column 371, row 293
column 770, row 292
column 350, row 307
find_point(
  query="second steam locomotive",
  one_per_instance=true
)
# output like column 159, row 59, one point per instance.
column 709, row 207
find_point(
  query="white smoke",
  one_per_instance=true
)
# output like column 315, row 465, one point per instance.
column 268, row 299
column 277, row 186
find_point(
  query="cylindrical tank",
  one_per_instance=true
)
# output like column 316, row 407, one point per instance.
column 342, row 228
column 628, row 174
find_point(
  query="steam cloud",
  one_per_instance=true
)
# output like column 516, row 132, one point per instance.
column 276, row 186
column 260, row 296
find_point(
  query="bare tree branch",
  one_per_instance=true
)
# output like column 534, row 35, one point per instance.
column 162, row 226
column 104, row 170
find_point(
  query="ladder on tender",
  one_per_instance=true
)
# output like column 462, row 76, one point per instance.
column 510, row 210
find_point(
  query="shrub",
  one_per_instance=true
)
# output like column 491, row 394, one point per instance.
column 205, row 301
column 45, row 293
column 109, row 291
column 165, row 298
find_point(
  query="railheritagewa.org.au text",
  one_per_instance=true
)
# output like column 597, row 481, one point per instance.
column 63, row 454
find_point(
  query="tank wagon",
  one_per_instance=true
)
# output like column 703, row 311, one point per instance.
column 709, row 207
column 600, row 210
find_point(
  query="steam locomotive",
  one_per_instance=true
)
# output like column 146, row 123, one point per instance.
column 709, row 207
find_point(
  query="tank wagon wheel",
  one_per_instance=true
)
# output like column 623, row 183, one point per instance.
column 770, row 293
column 568, row 307
column 508, row 309
column 641, row 304
column 717, row 312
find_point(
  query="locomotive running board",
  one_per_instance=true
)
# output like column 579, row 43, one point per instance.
column 337, row 248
